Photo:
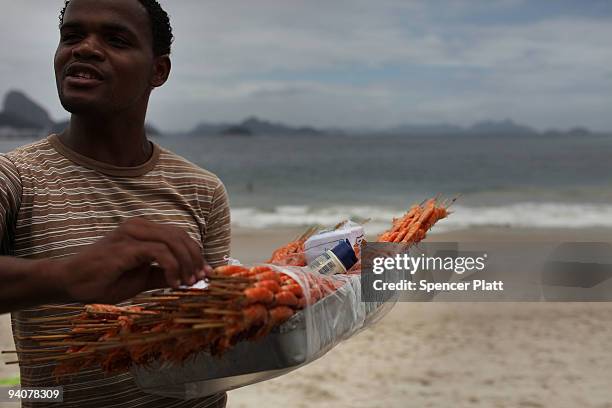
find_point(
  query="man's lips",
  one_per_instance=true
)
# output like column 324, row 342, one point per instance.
column 82, row 82
column 82, row 75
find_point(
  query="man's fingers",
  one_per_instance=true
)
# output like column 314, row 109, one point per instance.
column 185, row 250
column 207, row 270
column 195, row 254
column 156, row 278
column 188, row 268
column 165, row 258
column 133, row 282
column 195, row 251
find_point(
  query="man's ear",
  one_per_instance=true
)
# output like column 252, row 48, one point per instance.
column 161, row 70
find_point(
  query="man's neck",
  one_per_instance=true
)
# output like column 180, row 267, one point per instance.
column 117, row 142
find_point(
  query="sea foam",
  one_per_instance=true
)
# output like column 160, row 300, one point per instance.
column 543, row 215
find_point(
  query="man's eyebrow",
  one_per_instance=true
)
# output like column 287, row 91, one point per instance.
column 67, row 26
column 114, row 27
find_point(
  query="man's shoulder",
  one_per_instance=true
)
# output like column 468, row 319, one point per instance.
column 173, row 163
column 30, row 152
column 12, row 163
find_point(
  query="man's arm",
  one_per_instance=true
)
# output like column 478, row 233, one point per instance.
column 115, row 268
column 25, row 283
column 217, row 238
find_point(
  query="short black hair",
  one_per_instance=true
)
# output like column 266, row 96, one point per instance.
column 160, row 25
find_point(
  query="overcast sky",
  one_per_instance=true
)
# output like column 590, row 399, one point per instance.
column 354, row 63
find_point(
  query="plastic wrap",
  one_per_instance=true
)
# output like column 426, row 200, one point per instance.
column 307, row 335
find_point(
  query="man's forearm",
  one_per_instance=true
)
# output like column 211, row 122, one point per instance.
column 27, row 282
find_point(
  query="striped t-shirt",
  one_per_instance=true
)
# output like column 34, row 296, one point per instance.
column 54, row 201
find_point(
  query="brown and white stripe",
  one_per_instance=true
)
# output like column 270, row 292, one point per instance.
column 54, row 201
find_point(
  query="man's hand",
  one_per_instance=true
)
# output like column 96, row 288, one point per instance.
column 118, row 266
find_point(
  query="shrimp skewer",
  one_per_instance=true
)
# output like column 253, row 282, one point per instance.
column 293, row 252
column 240, row 303
column 413, row 226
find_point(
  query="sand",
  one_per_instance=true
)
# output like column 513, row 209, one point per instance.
column 447, row 355
column 459, row 355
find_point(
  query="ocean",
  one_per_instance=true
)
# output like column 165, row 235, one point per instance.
column 536, row 181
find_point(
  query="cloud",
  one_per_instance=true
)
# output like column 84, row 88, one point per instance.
column 356, row 62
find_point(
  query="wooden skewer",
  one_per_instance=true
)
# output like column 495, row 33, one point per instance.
column 28, row 351
column 93, row 321
column 164, row 308
column 92, row 330
column 218, row 296
column 143, row 313
column 144, row 340
column 48, row 319
column 63, row 307
column 226, row 312
column 207, row 300
column 235, row 278
column 143, row 319
column 236, row 285
column 157, row 299
column 123, row 312
column 102, row 346
column 77, row 343
column 149, row 324
column 226, row 292
column 182, row 320
column 100, row 312
column 308, row 233
column 199, row 305
column 452, row 201
column 208, row 325
column 225, row 284
column 76, row 325
column 45, row 337
column 187, row 294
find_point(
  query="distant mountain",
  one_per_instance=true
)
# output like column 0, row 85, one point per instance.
column 18, row 104
column 237, row 131
column 10, row 120
column 493, row 128
column 23, row 117
column 253, row 126
column 210, row 128
column 504, row 127
column 264, row 127
column 432, row 129
column 579, row 132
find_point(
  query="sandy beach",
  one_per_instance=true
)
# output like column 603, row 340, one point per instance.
column 446, row 355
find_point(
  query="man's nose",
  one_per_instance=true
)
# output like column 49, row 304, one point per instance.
column 88, row 48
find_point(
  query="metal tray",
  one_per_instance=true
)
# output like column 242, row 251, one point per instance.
column 248, row 362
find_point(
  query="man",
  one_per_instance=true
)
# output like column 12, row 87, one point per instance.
column 68, row 203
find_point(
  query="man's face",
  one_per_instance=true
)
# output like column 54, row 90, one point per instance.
column 104, row 62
